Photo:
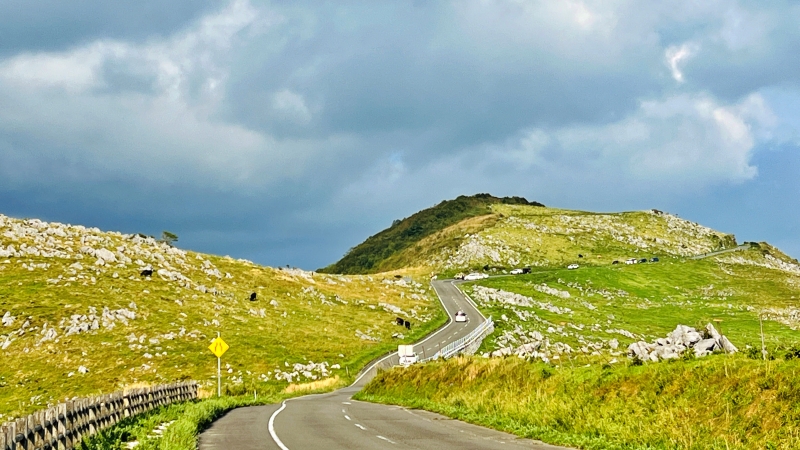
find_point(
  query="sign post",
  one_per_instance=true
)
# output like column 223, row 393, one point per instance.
column 218, row 347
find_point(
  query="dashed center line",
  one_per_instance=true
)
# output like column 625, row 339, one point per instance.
column 360, row 426
column 386, row 439
column 347, row 417
column 346, row 403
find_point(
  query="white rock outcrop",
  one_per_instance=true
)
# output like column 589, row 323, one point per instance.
column 682, row 339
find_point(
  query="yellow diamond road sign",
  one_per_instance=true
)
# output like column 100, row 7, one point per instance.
column 218, row 347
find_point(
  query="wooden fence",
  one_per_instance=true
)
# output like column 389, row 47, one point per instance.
column 63, row 426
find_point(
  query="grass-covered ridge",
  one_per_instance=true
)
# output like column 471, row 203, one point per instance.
column 550, row 237
column 380, row 252
column 719, row 402
column 79, row 319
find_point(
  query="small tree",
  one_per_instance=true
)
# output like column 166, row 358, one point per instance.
column 168, row 237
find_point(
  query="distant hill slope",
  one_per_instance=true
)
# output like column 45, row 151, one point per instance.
column 78, row 318
column 379, row 252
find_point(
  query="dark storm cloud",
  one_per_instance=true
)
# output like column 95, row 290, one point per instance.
column 287, row 132
column 52, row 25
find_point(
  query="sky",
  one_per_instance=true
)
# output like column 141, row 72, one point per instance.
column 288, row 132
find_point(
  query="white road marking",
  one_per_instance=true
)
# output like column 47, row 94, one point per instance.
column 360, row 426
column 344, row 410
column 272, row 427
column 346, row 403
column 347, row 417
column 386, row 439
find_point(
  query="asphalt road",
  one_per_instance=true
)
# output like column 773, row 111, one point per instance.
column 335, row 421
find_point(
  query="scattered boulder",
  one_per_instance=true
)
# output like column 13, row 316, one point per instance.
column 680, row 340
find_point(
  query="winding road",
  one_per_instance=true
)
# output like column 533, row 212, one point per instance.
column 336, row 421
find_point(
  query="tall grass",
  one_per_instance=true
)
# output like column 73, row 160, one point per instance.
column 719, row 402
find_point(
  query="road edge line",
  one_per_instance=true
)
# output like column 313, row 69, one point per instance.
column 272, row 433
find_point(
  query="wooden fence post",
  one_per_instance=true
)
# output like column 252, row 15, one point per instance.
column 69, row 424
column 11, row 432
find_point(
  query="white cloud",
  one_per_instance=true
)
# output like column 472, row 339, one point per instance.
column 678, row 143
column 291, row 105
column 676, row 56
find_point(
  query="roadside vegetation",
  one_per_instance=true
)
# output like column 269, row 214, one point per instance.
column 718, row 402
column 174, row 427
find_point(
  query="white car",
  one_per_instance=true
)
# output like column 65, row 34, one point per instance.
column 572, row 266
column 475, row 276
column 461, row 316
column 516, row 271
column 631, row 261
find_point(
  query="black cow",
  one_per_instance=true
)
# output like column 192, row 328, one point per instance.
column 407, row 324
column 399, row 321
column 253, row 297
column 147, row 273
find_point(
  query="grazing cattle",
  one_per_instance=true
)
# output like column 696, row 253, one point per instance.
column 399, row 321
column 147, row 273
column 407, row 324
column 253, row 297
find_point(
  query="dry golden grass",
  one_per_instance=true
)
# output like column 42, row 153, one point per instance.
column 313, row 386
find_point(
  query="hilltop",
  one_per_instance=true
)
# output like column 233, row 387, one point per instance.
column 702, row 276
column 389, row 249
column 78, row 317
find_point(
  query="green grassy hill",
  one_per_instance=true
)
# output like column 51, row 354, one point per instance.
column 557, row 366
column 382, row 252
column 79, row 319
column 601, row 304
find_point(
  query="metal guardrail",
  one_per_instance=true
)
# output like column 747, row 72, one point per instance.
column 457, row 346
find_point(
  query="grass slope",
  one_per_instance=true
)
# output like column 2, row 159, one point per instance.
column 579, row 388
column 379, row 252
column 719, row 402
column 72, row 298
column 589, row 307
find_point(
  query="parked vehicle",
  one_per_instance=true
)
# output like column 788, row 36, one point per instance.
column 615, row 262
column 572, row 266
column 654, row 259
column 461, row 316
column 631, row 261
column 526, row 270
column 516, row 271
column 458, row 276
column 475, row 276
